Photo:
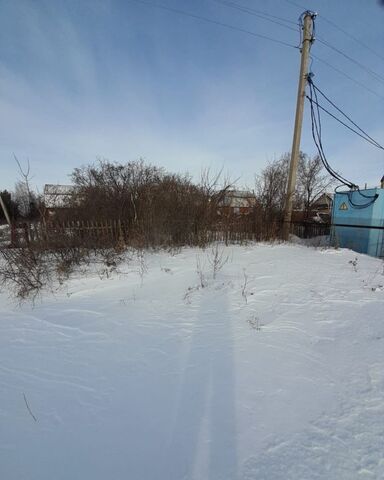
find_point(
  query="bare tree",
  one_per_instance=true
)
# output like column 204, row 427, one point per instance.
column 271, row 186
column 312, row 181
column 25, row 197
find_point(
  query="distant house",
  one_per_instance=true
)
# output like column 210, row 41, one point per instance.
column 320, row 210
column 236, row 202
column 323, row 203
column 58, row 197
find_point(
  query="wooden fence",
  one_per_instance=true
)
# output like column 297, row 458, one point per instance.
column 68, row 233
column 113, row 232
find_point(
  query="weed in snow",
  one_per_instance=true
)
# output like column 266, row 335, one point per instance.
column 244, row 286
column 217, row 259
column 143, row 267
column 254, row 322
column 354, row 263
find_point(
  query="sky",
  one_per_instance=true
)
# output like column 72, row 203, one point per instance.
column 125, row 79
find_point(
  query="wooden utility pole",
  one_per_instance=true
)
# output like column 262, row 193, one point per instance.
column 4, row 207
column 305, row 48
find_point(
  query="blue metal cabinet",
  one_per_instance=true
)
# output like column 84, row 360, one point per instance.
column 357, row 209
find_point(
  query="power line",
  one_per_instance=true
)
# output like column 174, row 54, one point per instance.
column 352, row 37
column 296, row 4
column 316, row 134
column 254, row 10
column 374, row 143
column 344, row 114
column 360, row 84
column 342, row 30
column 371, row 72
column 259, row 14
column 317, row 138
column 214, row 22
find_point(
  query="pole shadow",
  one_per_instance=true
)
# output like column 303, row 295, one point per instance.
column 203, row 436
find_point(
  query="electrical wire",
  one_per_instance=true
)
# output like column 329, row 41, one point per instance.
column 377, row 144
column 352, row 37
column 341, row 72
column 317, row 137
column 374, row 143
column 368, row 70
column 342, row 30
column 357, row 206
column 259, row 14
column 214, row 22
column 296, row 4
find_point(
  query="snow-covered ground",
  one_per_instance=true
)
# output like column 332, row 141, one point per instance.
column 274, row 370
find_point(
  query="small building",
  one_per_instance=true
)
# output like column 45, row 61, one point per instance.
column 236, row 202
column 320, row 211
column 323, row 203
column 58, row 198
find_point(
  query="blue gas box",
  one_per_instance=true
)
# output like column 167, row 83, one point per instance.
column 358, row 221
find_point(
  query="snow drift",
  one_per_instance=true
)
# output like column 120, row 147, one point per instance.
column 274, row 369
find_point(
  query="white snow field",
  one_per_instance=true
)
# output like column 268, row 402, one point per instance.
column 274, row 370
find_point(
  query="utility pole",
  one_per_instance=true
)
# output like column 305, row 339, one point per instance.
column 4, row 207
column 305, row 48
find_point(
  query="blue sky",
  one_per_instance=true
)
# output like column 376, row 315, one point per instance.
column 122, row 80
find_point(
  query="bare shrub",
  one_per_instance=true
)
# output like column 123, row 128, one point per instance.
column 28, row 270
column 24, row 271
column 113, row 207
column 155, row 208
column 200, row 271
column 217, row 259
column 254, row 323
column 65, row 260
column 244, row 292
column 143, row 267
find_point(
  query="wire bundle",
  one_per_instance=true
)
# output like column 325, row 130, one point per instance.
column 317, row 138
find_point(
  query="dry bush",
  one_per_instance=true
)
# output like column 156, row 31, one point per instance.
column 24, row 271
column 28, row 270
column 114, row 207
column 154, row 207
column 217, row 259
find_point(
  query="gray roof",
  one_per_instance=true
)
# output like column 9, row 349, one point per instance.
column 58, row 196
column 51, row 189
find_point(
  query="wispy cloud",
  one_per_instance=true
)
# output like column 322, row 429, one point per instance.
column 103, row 78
